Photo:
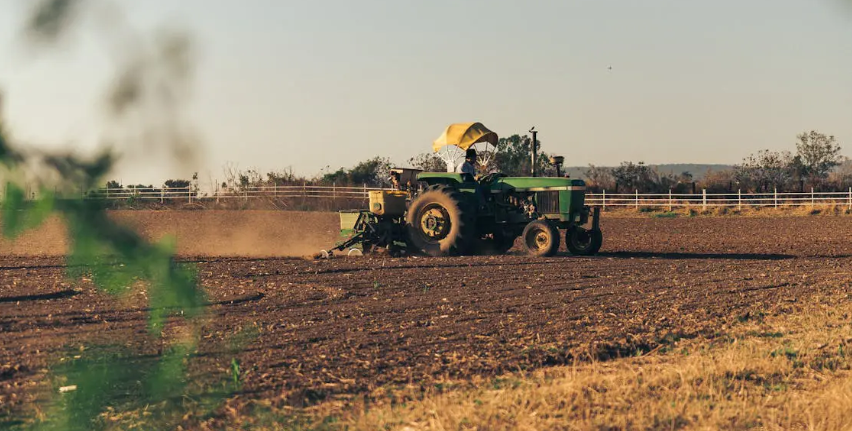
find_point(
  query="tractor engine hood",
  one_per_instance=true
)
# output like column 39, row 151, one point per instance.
column 537, row 184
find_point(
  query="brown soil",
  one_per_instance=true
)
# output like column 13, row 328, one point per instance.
column 204, row 232
column 340, row 328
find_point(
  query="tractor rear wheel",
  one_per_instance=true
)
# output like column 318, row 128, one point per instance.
column 583, row 242
column 440, row 224
column 541, row 238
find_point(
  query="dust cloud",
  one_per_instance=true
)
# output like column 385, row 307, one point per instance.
column 145, row 108
column 203, row 233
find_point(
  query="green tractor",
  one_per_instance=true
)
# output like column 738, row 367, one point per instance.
column 449, row 213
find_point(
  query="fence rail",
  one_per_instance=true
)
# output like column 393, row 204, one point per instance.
column 605, row 200
column 705, row 200
column 189, row 195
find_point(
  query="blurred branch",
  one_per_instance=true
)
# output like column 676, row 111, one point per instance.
column 115, row 256
column 50, row 19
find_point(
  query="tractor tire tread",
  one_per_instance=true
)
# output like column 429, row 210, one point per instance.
column 460, row 239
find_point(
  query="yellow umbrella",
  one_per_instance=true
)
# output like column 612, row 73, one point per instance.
column 464, row 135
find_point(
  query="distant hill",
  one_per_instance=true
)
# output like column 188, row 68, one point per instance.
column 697, row 170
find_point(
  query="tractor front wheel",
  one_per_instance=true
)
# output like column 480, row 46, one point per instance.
column 583, row 242
column 541, row 238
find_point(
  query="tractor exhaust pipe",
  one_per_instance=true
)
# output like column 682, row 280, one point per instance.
column 533, row 151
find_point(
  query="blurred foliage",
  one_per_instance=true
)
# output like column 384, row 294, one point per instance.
column 97, row 388
column 16, row 221
column 116, row 258
column 49, row 19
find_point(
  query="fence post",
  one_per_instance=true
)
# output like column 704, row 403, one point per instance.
column 850, row 198
column 704, row 199
column 739, row 199
column 604, row 199
column 637, row 199
column 189, row 193
column 670, row 199
column 217, row 191
column 812, row 196
column 162, row 194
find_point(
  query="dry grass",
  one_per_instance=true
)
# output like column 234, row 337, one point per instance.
column 787, row 371
column 782, row 372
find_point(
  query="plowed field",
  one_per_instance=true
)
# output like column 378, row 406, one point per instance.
column 331, row 330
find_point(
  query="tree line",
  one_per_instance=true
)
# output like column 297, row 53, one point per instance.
column 816, row 163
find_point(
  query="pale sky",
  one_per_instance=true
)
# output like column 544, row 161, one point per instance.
column 307, row 84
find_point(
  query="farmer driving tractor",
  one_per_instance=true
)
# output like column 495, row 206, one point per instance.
column 469, row 165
